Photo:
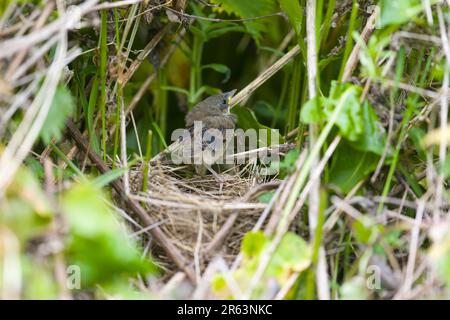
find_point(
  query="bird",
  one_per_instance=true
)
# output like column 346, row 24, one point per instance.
column 214, row 113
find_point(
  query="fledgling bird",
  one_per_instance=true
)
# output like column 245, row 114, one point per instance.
column 214, row 113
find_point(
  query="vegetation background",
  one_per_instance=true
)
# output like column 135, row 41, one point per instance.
column 90, row 92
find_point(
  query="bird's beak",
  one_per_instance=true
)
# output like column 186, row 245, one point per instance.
column 230, row 95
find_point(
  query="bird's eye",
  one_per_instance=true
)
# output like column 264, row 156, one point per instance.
column 224, row 101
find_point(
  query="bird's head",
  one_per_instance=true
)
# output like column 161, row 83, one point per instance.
column 221, row 100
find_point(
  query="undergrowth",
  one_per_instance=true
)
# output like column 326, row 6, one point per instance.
column 91, row 91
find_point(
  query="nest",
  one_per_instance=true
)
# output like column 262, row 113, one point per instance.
column 202, row 216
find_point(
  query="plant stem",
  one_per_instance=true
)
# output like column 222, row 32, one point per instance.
column 349, row 43
column 196, row 73
column 148, row 155
column 103, row 59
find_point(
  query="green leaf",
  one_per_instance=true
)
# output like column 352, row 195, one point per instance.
column 287, row 165
column 365, row 138
column 107, row 178
column 350, row 166
column 40, row 283
column 295, row 14
column 266, row 197
column 373, row 136
column 3, row 6
column 247, row 120
column 61, row 108
column 175, row 89
column 110, row 176
column 350, row 120
column 249, row 9
column 198, row 32
column 221, row 68
column 311, row 111
column 292, row 255
column 253, row 243
column 399, row 11
column 366, row 230
column 26, row 210
column 394, row 239
column 218, row 29
column 354, row 289
column 97, row 243
column 373, row 52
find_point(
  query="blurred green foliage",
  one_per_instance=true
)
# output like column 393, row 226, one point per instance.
column 250, row 9
column 292, row 254
column 217, row 56
column 61, row 108
column 85, row 232
column 98, row 244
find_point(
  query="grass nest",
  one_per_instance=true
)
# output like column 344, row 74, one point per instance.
column 203, row 217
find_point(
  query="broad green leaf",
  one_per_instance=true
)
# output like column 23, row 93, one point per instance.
column 350, row 166
column 394, row 238
column 219, row 284
column 354, row 289
column 40, row 283
column 218, row 29
column 287, row 165
column 87, row 212
column 366, row 231
column 266, row 197
column 292, row 255
column 61, row 108
column 373, row 52
column 399, row 11
column 368, row 61
column 247, row 120
column 357, row 123
column 373, row 137
column 253, row 243
column 249, row 9
column 294, row 12
column 3, row 6
column 365, row 138
column 350, row 121
column 25, row 209
column 175, row 89
column 311, row 111
column 97, row 243
column 221, row 68
column 325, row 62
column 35, row 166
